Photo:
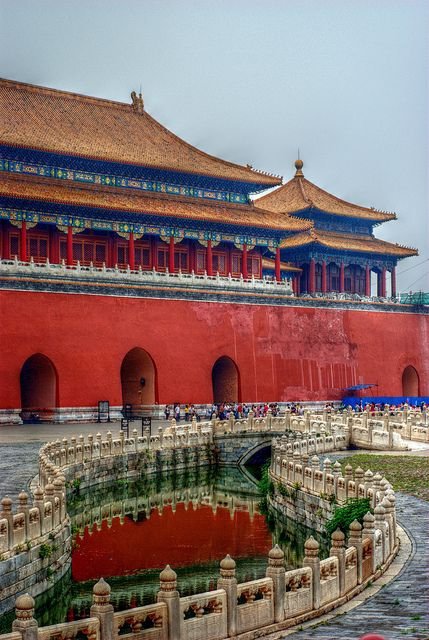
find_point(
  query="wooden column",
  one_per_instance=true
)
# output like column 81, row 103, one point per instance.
column 244, row 262
column 209, row 258
column 298, row 284
column 69, row 246
column 154, row 252
column 342, row 277
column 23, row 243
column 324, row 289
column 383, row 282
column 229, row 260
column 54, row 246
column 171, row 256
column 114, row 252
column 393, row 282
column 192, row 257
column 131, row 254
column 312, row 277
column 5, row 251
column 278, row 274
column 367, row 281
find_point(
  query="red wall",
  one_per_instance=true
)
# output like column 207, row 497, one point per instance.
column 282, row 353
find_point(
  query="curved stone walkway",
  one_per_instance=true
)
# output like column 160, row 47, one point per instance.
column 398, row 610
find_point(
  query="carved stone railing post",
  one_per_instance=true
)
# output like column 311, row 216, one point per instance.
column 368, row 531
column 355, row 540
column 6, row 513
column 103, row 610
column 228, row 582
column 24, row 621
column 312, row 560
column 168, row 593
column 381, row 524
column 276, row 571
column 23, row 507
column 338, row 549
column 250, row 419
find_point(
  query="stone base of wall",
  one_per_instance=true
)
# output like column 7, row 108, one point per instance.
column 27, row 572
column 10, row 416
column 309, row 510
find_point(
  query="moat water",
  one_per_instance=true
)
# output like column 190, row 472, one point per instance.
column 128, row 532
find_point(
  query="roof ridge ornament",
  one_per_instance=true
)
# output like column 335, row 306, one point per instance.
column 298, row 166
column 138, row 104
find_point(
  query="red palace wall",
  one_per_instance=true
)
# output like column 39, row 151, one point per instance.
column 282, row 352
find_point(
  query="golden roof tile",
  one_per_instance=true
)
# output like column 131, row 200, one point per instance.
column 347, row 242
column 72, row 124
column 127, row 200
column 299, row 194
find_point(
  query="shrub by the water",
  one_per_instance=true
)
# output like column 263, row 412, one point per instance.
column 265, row 484
column 355, row 509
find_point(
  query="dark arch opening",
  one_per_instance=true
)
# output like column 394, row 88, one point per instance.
column 410, row 382
column 39, row 389
column 226, row 381
column 138, row 380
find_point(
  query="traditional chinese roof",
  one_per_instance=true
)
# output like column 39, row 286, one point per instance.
column 270, row 265
column 347, row 242
column 124, row 200
column 75, row 125
column 299, row 194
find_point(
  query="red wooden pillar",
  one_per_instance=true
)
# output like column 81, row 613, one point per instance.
column 192, row 256
column 209, row 256
column 23, row 247
column 171, row 256
column 229, row 261
column 278, row 274
column 367, row 281
column 154, row 253
column 312, row 277
column 393, row 282
column 5, row 252
column 244, row 262
column 114, row 252
column 69, row 246
column 383, row 282
column 131, row 253
column 342, row 277
column 298, row 284
column 324, row 288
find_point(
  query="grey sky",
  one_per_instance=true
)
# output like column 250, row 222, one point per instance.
column 346, row 81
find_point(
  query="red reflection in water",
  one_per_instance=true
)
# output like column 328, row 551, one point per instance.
column 180, row 538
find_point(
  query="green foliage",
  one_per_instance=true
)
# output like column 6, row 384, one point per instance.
column 265, row 484
column 45, row 551
column 282, row 490
column 355, row 509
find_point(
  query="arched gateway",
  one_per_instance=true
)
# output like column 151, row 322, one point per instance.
column 410, row 382
column 138, row 379
column 39, row 389
column 226, row 381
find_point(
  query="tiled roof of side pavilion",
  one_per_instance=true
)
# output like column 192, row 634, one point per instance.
column 347, row 242
column 300, row 194
column 67, row 123
column 124, row 200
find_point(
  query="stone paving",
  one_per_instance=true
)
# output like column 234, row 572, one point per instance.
column 396, row 609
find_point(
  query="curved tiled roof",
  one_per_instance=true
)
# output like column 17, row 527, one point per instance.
column 67, row 123
column 299, row 194
column 347, row 242
column 120, row 199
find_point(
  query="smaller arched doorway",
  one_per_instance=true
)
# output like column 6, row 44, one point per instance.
column 226, row 381
column 39, row 389
column 138, row 380
column 410, row 382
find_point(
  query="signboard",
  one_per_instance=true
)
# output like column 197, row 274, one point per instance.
column 103, row 411
column 146, row 424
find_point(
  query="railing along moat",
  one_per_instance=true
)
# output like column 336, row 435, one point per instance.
column 281, row 599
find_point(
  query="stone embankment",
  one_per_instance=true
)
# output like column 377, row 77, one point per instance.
column 35, row 541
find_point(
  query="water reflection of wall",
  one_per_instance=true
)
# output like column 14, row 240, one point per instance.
column 226, row 493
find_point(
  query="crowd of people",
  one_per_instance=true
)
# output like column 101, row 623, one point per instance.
column 221, row 410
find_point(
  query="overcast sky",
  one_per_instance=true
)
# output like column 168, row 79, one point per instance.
column 346, row 81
